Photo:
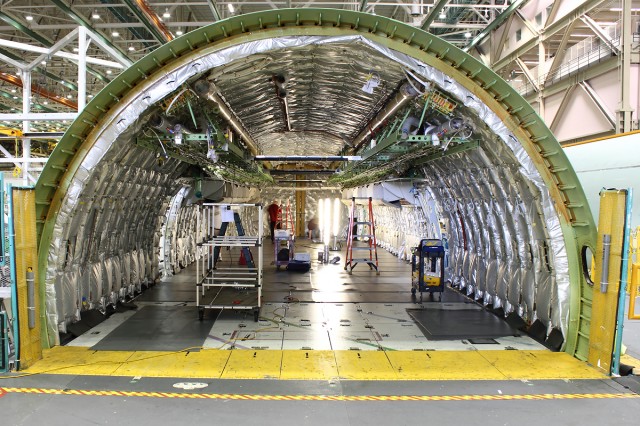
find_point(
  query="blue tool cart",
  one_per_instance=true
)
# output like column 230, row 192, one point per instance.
column 427, row 267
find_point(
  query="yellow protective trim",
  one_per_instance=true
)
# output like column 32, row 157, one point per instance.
column 317, row 365
column 24, row 216
column 311, row 397
column 605, row 305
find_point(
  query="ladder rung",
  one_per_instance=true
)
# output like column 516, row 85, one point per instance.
column 362, row 260
column 363, row 248
column 360, row 198
column 362, row 223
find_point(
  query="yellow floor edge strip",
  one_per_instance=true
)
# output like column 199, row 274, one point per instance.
column 348, row 398
column 317, row 365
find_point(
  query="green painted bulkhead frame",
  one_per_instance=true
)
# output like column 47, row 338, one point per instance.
column 517, row 115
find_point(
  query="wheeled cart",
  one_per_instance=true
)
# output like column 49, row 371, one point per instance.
column 237, row 288
column 283, row 247
column 427, row 268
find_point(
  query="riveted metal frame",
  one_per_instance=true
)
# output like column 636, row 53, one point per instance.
column 517, row 115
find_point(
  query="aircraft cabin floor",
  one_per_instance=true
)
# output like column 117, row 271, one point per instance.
column 329, row 348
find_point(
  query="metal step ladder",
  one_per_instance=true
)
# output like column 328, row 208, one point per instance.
column 245, row 250
column 285, row 218
column 369, row 233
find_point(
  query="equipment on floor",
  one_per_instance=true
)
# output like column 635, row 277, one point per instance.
column 364, row 230
column 427, row 268
column 301, row 262
column 283, row 247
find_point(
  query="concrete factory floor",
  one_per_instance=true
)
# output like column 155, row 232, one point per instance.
column 329, row 348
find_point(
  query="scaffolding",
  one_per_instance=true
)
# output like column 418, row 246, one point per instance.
column 219, row 287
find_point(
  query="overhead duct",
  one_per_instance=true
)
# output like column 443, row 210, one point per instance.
column 405, row 93
column 206, row 90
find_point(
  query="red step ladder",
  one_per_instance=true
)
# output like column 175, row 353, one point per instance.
column 285, row 218
column 369, row 233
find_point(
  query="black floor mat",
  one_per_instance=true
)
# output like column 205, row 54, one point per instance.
column 442, row 324
column 159, row 328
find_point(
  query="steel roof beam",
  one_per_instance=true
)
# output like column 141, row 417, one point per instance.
column 17, row 81
column 549, row 31
column 150, row 20
column 495, row 24
column 435, row 11
column 214, row 10
column 40, row 70
column 106, row 44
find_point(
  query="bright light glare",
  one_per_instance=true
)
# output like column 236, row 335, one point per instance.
column 326, row 232
column 321, row 215
column 29, row 18
column 231, row 8
column 336, row 216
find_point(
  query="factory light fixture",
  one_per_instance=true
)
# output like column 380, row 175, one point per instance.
column 166, row 13
column 115, row 34
column 109, row 71
column 467, row 35
column 95, row 15
column 442, row 15
column 29, row 18
column 179, row 32
column 131, row 48
column 231, row 8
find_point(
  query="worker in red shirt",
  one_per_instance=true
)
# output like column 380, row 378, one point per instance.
column 274, row 216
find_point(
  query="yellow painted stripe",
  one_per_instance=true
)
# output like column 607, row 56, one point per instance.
column 317, row 365
column 354, row 398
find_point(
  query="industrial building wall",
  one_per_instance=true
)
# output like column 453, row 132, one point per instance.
column 608, row 163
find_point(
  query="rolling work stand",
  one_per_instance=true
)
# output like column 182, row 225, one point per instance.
column 427, row 268
column 283, row 247
column 233, row 288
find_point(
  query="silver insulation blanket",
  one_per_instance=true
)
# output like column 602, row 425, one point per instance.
column 116, row 198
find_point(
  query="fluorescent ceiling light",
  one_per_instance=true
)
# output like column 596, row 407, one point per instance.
column 29, row 18
column 95, row 15
column 45, row 103
column 467, row 35
column 231, row 8
column 166, row 14
column 442, row 15
column 69, row 96
column 131, row 48
column 108, row 71
column 115, row 34
column 179, row 32
column 75, row 49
